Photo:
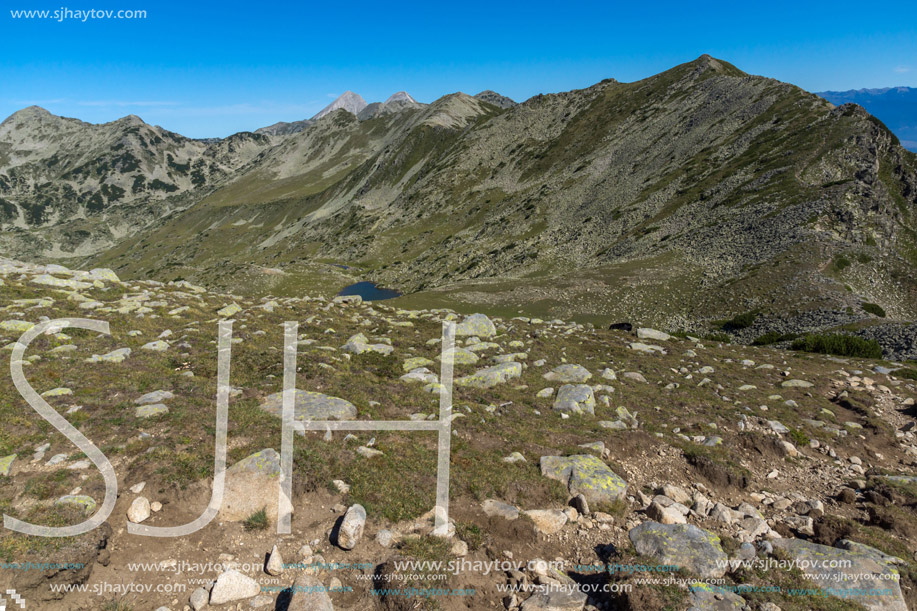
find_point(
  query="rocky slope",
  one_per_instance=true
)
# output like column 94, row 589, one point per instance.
column 581, row 460
column 896, row 106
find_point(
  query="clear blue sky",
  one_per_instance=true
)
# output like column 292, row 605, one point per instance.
column 211, row 69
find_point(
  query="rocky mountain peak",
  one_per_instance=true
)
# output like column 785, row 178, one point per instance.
column 401, row 96
column 492, row 97
column 349, row 101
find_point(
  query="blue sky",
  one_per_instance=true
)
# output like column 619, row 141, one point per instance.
column 210, row 69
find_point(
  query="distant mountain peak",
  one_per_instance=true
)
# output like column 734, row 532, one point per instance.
column 401, row 96
column 492, row 97
column 349, row 101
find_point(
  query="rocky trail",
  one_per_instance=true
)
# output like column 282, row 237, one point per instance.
column 583, row 461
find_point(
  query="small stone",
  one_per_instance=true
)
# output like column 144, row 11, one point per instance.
column 139, row 510
column 274, row 565
column 231, row 586
column 351, row 528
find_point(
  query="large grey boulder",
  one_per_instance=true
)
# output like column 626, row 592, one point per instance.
column 647, row 333
column 231, row 586
column 252, row 484
column 575, row 398
column 683, row 545
column 478, row 325
column 842, row 571
column 310, row 405
column 308, row 594
column 705, row 597
column 491, row 376
column 569, row 373
column 587, row 475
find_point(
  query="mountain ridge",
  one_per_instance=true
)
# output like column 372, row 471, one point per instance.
column 690, row 196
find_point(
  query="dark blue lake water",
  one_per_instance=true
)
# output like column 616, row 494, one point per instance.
column 369, row 291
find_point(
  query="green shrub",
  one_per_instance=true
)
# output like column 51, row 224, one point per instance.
column 873, row 308
column 772, row 337
column 906, row 373
column 256, row 521
column 799, row 438
column 718, row 337
column 839, row 345
column 840, row 263
column 741, row 321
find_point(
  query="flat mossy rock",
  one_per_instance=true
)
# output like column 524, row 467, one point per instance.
column 587, row 475
column 575, row 398
column 252, row 484
column 310, row 405
column 712, row 598
column 681, row 545
column 861, row 568
column 6, row 464
column 86, row 503
column 491, row 376
column 568, row 372
column 478, row 325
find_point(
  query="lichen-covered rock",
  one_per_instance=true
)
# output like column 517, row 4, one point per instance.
column 416, row 362
column 148, row 411
column 115, row 356
column 86, row 503
column 682, row 545
column 491, row 376
column 568, row 373
column 252, row 484
column 358, row 344
column 706, row 597
column 842, row 571
column 575, row 398
column 230, row 310
column 587, row 475
column 15, row 326
column 157, row 346
column 308, row 594
column 310, row 405
column 460, row 356
column 477, row 324
column 6, row 463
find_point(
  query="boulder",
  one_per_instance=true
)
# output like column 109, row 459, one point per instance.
column 491, row 376
column 231, row 586
column 351, row 528
column 587, row 475
column 493, row 507
column 252, row 484
column 308, row 594
column 547, row 521
column 477, row 325
column 683, row 545
column 311, row 406
column 139, row 510
column 861, row 568
column 566, row 599
column 575, row 398
column 568, row 373
column 647, row 333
